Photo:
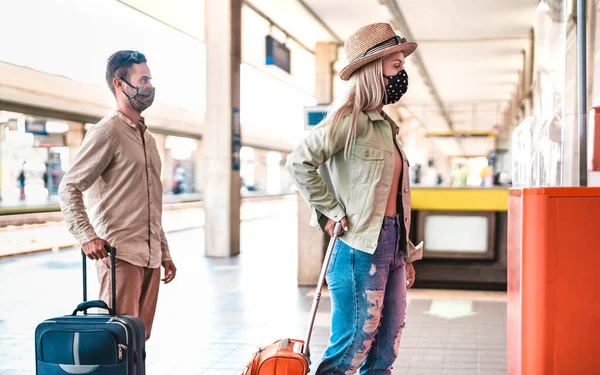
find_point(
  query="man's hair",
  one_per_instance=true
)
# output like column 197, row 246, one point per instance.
column 119, row 63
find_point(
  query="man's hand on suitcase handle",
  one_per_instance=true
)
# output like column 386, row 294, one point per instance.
column 330, row 226
column 95, row 249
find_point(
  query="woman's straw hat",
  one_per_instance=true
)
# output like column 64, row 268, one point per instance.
column 370, row 43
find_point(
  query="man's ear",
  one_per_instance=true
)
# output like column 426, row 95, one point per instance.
column 118, row 83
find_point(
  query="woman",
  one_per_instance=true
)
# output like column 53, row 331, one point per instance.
column 363, row 181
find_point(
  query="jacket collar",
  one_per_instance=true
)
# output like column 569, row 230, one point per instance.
column 374, row 115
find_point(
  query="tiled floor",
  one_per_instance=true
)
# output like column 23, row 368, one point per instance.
column 218, row 311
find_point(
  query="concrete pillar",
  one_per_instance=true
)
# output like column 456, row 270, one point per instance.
column 286, row 180
column 260, row 170
column 2, row 126
column 273, row 172
column 311, row 243
column 74, row 139
column 223, row 21
column 199, row 164
column 325, row 57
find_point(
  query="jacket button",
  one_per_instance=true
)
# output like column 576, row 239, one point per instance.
column 367, row 154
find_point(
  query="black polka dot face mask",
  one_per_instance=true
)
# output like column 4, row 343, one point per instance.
column 396, row 87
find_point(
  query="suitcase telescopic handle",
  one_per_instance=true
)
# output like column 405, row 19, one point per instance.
column 113, row 270
column 337, row 231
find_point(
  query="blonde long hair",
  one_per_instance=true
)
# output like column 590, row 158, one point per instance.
column 366, row 91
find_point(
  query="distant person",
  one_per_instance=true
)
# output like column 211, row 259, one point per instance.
column 416, row 175
column 460, row 176
column 179, row 180
column 352, row 169
column 47, row 178
column 21, row 182
column 119, row 165
column 487, row 176
column 430, row 177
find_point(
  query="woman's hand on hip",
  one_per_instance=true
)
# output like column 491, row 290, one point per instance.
column 329, row 227
column 410, row 275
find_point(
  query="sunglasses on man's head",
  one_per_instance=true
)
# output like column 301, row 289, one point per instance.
column 133, row 56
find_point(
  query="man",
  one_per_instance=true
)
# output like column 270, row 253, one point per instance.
column 119, row 166
column 460, row 176
column 431, row 175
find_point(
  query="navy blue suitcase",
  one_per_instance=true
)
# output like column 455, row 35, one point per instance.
column 94, row 344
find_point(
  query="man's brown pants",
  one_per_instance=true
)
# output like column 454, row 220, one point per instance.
column 137, row 289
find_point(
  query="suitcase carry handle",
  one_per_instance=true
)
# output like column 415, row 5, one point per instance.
column 113, row 259
column 84, row 306
column 337, row 231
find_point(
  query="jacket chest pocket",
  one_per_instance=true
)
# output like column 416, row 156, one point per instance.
column 366, row 160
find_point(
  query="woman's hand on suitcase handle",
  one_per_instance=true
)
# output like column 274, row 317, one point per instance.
column 330, row 226
column 95, row 249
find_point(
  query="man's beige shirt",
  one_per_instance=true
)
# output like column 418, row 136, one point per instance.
column 119, row 169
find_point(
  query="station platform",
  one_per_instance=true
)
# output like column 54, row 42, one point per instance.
column 13, row 206
column 26, row 233
column 219, row 311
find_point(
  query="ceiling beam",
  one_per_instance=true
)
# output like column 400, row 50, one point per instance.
column 475, row 40
column 463, row 134
column 339, row 40
column 159, row 20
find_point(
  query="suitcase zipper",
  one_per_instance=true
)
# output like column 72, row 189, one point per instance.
column 123, row 324
column 121, row 348
column 249, row 366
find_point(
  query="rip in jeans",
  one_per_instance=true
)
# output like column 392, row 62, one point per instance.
column 375, row 299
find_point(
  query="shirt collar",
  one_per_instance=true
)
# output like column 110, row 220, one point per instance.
column 126, row 120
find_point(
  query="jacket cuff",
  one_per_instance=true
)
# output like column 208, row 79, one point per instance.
column 336, row 213
column 413, row 253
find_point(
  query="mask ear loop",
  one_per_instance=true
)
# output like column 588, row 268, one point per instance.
column 137, row 90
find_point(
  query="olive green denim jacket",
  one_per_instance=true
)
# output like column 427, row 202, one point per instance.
column 356, row 188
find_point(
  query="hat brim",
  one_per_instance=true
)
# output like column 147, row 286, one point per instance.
column 408, row 48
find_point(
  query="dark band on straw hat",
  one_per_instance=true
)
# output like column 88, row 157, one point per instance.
column 393, row 41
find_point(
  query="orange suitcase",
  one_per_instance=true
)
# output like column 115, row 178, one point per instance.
column 288, row 356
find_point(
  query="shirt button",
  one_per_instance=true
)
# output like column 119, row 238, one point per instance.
column 367, row 154
column 406, row 219
column 406, row 190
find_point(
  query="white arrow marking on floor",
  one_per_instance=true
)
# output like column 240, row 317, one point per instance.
column 451, row 308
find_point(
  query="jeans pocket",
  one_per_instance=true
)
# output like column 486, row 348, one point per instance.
column 381, row 233
column 387, row 237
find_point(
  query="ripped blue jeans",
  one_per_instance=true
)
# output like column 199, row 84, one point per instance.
column 368, row 297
